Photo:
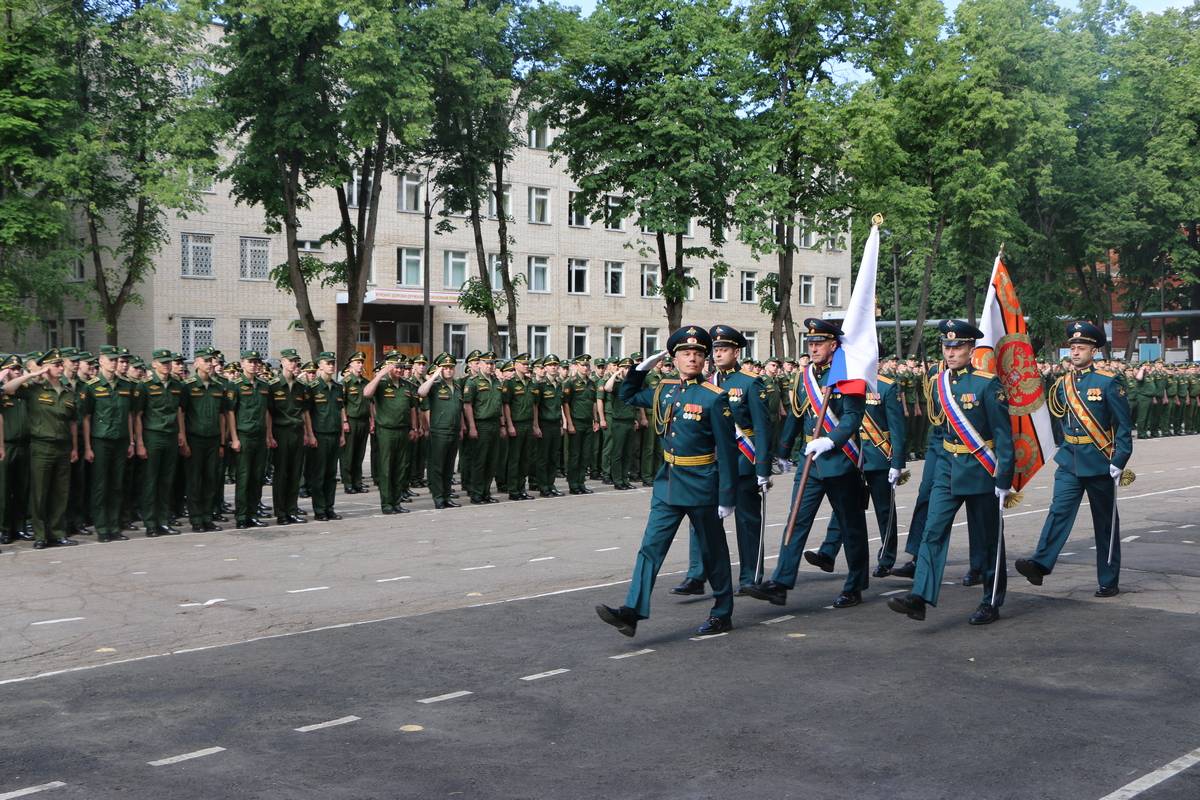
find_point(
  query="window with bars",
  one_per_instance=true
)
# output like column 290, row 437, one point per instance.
column 254, row 258
column 196, row 255
column 254, row 334
column 195, row 333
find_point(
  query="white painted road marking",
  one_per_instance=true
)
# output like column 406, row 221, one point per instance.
column 607, row 549
column 1189, row 525
column 1134, row 538
column 472, row 569
column 538, row 676
column 641, row 652
column 206, row 603
column 442, row 697
column 330, row 724
column 1154, row 778
column 208, row 751
column 56, row 621
column 543, row 558
column 892, row 592
column 31, row 790
column 309, row 589
column 1067, row 554
column 388, row 580
column 710, row 636
column 774, row 620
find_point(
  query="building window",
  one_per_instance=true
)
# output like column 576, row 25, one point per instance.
column 614, row 216
column 254, row 334
column 749, row 278
column 192, row 77
column 539, row 137
column 196, row 255
column 353, row 187
column 833, row 292
column 308, row 245
column 502, row 335
column 507, row 197
column 614, row 342
column 577, row 276
column 539, row 274
column 78, row 333
column 808, row 235
column 51, row 328
column 409, row 198
column 689, row 230
column 496, row 274
column 691, row 290
column 539, row 205
column 805, row 290
column 539, row 340
column 649, row 342
column 194, row 334
column 254, row 258
column 751, row 344
column 78, row 273
column 454, row 274
column 408, row 332
column 576, row 217
column 455, row 339
column 410, row 266
column 717, row 287
column 614, row 278
column 577, row 340
column 649, row 280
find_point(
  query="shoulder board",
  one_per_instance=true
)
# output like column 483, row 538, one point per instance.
column 92, row 381
column 713, row 387
column 189, row 380
column 1106, row 373
column 987, row 376
column 884, row 379
column 670, row 381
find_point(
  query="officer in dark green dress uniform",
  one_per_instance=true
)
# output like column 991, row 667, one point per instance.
column 1097, row 445
column 831, row 437
column 579, row 398
column 108, row 404
column 204, row 440
column 519, row 400
column 50, row 406
column 482, row 405
column 15, row 467
column 358, row 414
column 396, row 427
column 291, row 425
column 330, row 424
column 162, row 433
column 698, row 479
column 977, row 469
column 443, row 419
column 248, row 420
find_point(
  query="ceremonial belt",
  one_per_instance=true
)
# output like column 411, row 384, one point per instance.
column 1096, row 435
column 961, row 449
column 1077, row 439
column 878, row 437
column 689, row 461
column 826, row 420
column 972, row 441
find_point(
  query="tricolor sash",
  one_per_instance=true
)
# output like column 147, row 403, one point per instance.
column 827, row 420
column 962, row 426
column 878, row 437
column 745, row 445
column 1100, row 437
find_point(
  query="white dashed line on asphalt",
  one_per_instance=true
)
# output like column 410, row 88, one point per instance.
column 472, row 569
column 1189, row 525
column 892, row 592
column 205, row 604
column 607, row 549
column 542, row 558
column 775, row 620
column 441, row 697
column 208, row 751
column 1187, row 541
column 776, row 525
column 1131, row 790
column 710, row 636
column 1160, row 530
column 389, row 580
column 1159, row 471
column 138, row 573
column 309, row 589
column 539, row 675
column 642, row 652
column 1066, row 554
column 56, row 621
column 1135, row 538
column 330, row 724
column 28, row 790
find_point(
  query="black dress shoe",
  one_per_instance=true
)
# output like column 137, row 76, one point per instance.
column 399, row 509
column 689, row 586
column 439, row 505
column 1108, row 591
column 648, row 484
column 910, row 605
column 303, row 493
column 774, row 593
column 118, row 537
column 208, row 527
column 985, row 614
column 39, row 545
column 130, row 527
column 908, row 570
column 624, row 619
column 575, row 491
column 819, row 560
column 152, row 533
column 220, row 518
column 848, row 600
column 282, row 521
column 332, row 516
column 586, row 490
column 525, row 496
column 299, row 512
column 516, row 497
column 6, row 539
column 387, row 510
column 452, row 504
column 881, row 572
column 972, row 578
column 453, row 495
column 25, row 536
column 167, row 530
column 319, row 517
column 241, row 526
column 257, row 523
column 478, row 501
column 198, row 529
column 546, row 494
column 1031, row 570
column 489, row 499
column 714, row 625
column 296, row 520
column 65, row 543
column 556, row 493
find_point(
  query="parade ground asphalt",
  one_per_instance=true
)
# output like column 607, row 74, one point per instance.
column 456, row 653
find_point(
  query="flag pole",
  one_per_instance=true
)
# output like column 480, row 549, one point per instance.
column 808, row 460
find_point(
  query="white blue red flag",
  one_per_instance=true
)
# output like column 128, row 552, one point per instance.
column 856, row 363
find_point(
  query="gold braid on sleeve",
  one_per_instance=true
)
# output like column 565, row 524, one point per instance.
column 1057, row 407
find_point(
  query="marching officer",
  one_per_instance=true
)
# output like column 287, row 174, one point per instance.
column 977, row 470
column 331, row 426
column 698, row 479
column 248, row 420
column 579, row 399
column 1098, row 443
column 163, row 434
column 358, row 415
column 396, row 429
column 443, row 419
column 204, row 441
column 291, row 425
column 830, row 431
column 109, row 404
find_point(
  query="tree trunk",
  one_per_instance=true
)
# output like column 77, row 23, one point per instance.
column 291, row 226
column 360, row 239
column 1193, row 234
column 673, row 309
column 493, row 331
column 914, row 345
column 784, row 238
column 510, row 292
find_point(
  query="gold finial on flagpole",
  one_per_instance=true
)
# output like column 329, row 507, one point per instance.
column 877, row 219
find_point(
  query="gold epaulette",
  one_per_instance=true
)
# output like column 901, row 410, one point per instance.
column 669, row 381
column 885, row 379
column 987, row 376
column 712, row 387
column 1106, row 373
column 92, row 381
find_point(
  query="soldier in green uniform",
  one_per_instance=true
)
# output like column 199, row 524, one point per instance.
column 396, row 429
column 1146, row 401
column 698, row 479
column 77, row 501
column 548, row 425
column 602, row 438
column 14, row 493
column 651, row 453
column 203, row 441
column 504, row 373
column 291, row 425
column 358, row 414
column 977, row 470
column 1097, row 445
column 420, row 447
column 482, row 405
column 519, row 401
column 331, row 426
column 443, row 420
column 248, row 420
column 163, row 434
column 579, row 399
column 109, row 405
column 50, row 407
column 466, row 448
column 620, row 418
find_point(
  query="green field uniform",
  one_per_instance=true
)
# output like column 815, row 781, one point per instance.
column 289, row 402
column 249, row 400
column 650, row 458
column 107, row 406
column 484, row 396
column 358, row 414
column 203, row 405
column 466, row 446
column 605, row 440
column 579, row 396
column 52, row 414
column 444, row 405
column 518, row 395
column 1145, row 412
column 160, row 433
column 547, row 394
column 327, row 402
column 79, row 500
column 620, row 417
column 395, row 403
column 14, row 491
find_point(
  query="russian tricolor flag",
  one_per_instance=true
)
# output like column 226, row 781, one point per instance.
column 856, row 363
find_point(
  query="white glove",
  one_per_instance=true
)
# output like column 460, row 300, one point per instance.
column 724, row 511
column 1115, row 472
column 893, row 476
column 647, row 363
column 818, row 446
column 1003, row 494
column 764, row 483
